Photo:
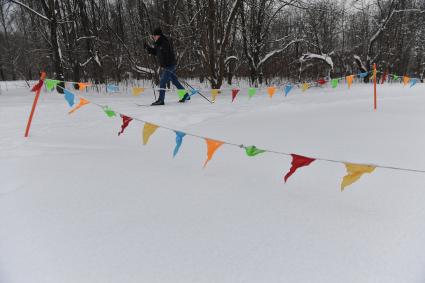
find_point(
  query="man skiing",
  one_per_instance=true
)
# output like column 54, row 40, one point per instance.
column 163, row 50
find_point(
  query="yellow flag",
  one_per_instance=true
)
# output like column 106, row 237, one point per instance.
column 271, row 91
column 80, row 104
column 148, row 130
column 349, row 80
column 406, row 80
column 305, row 86
column 214, row 93
column 354, row 172
column 137, row 91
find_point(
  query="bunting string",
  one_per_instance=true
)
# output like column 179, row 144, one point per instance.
column 354, row 169
column 251, row 91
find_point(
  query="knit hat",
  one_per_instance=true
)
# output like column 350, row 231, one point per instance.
column 157, row 31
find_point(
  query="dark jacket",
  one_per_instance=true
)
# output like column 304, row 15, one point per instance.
column 163, row 49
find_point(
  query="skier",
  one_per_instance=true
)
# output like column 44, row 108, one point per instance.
column 163, row 50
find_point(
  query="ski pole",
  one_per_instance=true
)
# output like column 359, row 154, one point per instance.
column 187, row 84
column 197, row 92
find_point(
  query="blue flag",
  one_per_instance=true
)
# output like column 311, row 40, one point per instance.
column 179, row 140
column 363, row 75
column 413, row 82
column 112, row 88
column 287, row 89
column 69, row 97
column 194, row 91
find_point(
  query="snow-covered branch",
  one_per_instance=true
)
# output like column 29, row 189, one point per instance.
column 276, row 52
column 30, row 9
column 323, row 57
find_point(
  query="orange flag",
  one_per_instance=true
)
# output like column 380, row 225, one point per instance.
column 354, row 172
column 80, row 104
column 82, row 86
column 137, row 91
column 349, row 80
column 271, row 91
column 406, row 80
column 214, row 93
column 148, row 131
column 212, row 145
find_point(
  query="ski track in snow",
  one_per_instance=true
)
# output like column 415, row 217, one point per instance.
column 80, row 204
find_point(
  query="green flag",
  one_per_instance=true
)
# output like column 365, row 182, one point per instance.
column 251, row 91
column 109, row 111
column 51, row 84
column 334, row 83
column 395, row 77
column 253, row 150
column 181, row 93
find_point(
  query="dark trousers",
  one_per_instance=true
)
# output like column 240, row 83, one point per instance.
column 168, row 74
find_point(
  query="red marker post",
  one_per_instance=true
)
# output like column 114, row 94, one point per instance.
column 374, row 87
column 37, row 89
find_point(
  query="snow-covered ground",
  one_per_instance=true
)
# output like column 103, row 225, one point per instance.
column 80, row 204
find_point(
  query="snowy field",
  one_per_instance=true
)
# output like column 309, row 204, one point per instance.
column 80, row 204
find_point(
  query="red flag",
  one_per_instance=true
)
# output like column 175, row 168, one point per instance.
column 125, row 121
column 384, row 77
column 297, row 162
column 321, row 82
column 234, row 93
column 38, row 86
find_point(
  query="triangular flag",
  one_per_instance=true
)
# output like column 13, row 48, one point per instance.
column 148, row 131
column 363, row 75
column 37, row 86
column 193, row 92
column 82, row 86
column 287, row 89
column 305, row 86
column 112, row 88
column 406, row 80
column 69, row 97
column 51, row 84
column 179, row 140
column 395, row 77
column 253, row 150
column 321, row 81
column 212, row 145
column 271, row 91
column 234, row 93
column 181, row 93
column 125, row 121
column 354, row 172
column 413, row 82
column 297, row 162
column 80, row 104
column 251, row 91
column 108, row 111
column 43, row 76
column 137, row 91
column 334, row 83
column 349, row 80
column 384, row 77
column 214, row 93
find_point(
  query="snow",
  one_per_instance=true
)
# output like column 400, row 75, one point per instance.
column 80, row 204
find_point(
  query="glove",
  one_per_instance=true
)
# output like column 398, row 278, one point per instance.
column 146, row 46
